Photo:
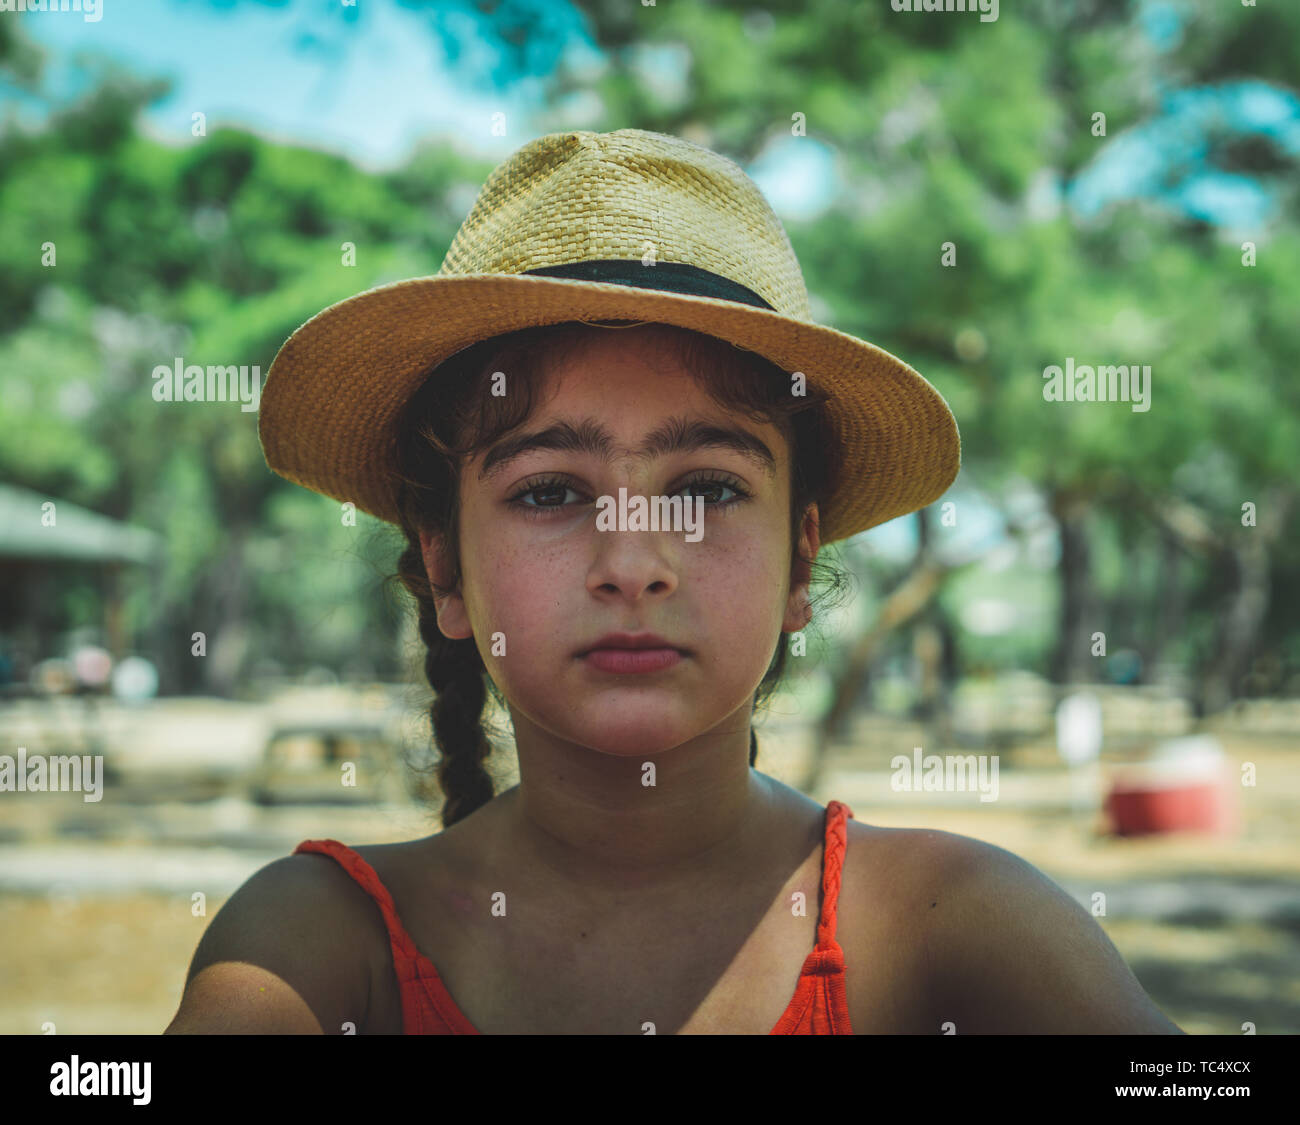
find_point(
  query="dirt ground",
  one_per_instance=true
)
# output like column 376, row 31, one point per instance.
column 1210, row 926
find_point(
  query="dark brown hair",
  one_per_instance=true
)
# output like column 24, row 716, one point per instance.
column 453, row 416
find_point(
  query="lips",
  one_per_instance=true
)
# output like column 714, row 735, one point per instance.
column 631, row 641
column 624, row 653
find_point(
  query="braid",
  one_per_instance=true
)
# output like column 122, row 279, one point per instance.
column 455, row 671
column 456, row 674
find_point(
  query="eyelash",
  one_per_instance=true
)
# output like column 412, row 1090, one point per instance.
column 537, row 484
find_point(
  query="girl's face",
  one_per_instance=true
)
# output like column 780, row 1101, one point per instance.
column 542, row 584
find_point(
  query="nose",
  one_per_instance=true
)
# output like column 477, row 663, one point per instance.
column 633, row 564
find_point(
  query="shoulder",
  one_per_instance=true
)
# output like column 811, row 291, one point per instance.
column 292, row 950
column 905, row 863
column 1007, row 950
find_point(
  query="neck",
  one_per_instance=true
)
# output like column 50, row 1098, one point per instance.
column 587, row 824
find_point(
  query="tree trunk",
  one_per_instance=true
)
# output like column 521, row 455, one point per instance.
column 907, row 600
column 1171, row 603
column 228, row 647
column 1073, row 661
column 1245, row 605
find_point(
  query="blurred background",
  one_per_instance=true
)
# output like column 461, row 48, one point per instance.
column 1106, row 605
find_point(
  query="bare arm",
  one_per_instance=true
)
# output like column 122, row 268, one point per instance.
column 1012, row 953
column 285, row 955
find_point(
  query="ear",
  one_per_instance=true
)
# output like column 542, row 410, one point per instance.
column 798, row 610
column 453, row 618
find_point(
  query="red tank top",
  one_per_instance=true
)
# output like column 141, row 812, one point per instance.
column 819, row 1005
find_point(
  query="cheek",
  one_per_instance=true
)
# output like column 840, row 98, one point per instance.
column 505, row 585
column 517, row 591
column 739, row 588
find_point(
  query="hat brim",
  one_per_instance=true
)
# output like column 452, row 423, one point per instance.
column 338, row 385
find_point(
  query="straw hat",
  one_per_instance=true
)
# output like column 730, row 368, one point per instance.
column 597, row 226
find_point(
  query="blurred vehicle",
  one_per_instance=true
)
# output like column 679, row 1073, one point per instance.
column 331, row 760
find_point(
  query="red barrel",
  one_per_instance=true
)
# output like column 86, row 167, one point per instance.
column 1186, row 785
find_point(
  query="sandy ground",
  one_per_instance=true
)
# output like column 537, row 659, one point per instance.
column 97, row 929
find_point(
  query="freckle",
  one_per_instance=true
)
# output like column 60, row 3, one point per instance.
column 932, row 905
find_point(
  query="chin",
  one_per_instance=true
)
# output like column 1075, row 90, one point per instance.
column 632, row 736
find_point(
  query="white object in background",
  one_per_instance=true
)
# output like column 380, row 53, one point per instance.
column 135, row 680
column 1078, row 729
column 1195, row 759
column 1078, row 741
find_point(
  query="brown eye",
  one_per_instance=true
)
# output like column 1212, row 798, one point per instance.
column 550, row 496
column 710, row 489
column 540, row 496
column 708, row 485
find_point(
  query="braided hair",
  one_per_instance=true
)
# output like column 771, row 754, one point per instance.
column 453, row 416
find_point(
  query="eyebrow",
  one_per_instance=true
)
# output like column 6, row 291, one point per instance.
column 676, row 435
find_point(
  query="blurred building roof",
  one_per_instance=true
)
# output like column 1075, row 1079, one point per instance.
column 78, row 533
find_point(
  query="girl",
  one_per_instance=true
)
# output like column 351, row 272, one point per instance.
column 621, row 316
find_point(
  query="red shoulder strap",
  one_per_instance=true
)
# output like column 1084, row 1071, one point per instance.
column 837, row 837
column 368, row 879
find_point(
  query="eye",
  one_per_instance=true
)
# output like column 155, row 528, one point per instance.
column 553, row 489
column 712, row 484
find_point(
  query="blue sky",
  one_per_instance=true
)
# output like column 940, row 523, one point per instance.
column 1134, row 163
column 368, row 86
column 368, row 83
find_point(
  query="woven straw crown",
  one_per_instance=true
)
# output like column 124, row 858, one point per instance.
column 569, row 197
column 589, row 226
